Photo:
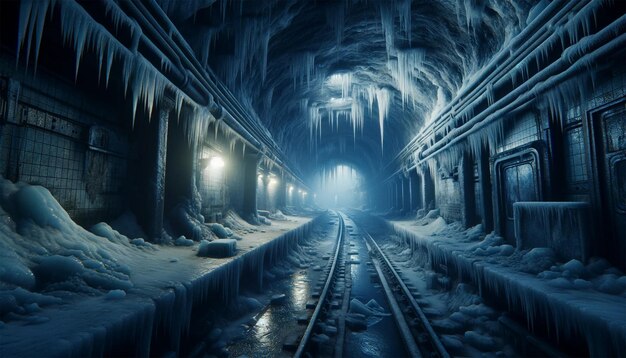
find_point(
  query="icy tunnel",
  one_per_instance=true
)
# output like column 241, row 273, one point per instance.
column 358, row 178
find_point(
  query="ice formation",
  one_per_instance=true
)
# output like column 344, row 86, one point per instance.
column 43, row 250
column 57, row 276
column 294, row 74
column 569, row 297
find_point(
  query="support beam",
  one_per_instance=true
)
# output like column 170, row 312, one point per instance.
column 484, row 174
column 466, row 180
column 249, row 205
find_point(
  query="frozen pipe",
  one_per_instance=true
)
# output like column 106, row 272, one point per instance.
column 216, row 88
column 523, row 44
column 495, row 67
column 554, row 38
column 468, row 99
column 138, row 10
column 175, row 73
column 527, row 91
column 183, row 46
column 220, row 113
column 188, row 56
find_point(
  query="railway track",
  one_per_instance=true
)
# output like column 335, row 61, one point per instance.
column 416, row 332
column 335, row 268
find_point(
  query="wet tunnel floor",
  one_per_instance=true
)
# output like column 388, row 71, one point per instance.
column 261, row 332
column 381, row 338
column 465, row 323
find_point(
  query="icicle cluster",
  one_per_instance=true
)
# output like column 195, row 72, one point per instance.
column 142, row 81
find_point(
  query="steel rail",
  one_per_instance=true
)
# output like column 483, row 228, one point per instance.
column 403, row 327
column 433, row 338
column 322, row 299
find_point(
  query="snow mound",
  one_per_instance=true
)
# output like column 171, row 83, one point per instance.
column 42, row 249
column 537, row 260
column 278, row 215
column 480, row 341
column 186, row 222
column 104, row 230
column 183, row 241
column 233, row 221
column 221, row 231
column 115, row 294
column 265, row 221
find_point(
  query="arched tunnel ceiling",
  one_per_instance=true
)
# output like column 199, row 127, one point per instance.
column 359, row 68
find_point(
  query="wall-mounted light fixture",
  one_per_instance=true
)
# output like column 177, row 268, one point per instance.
column 273, row 181
column 215, row 162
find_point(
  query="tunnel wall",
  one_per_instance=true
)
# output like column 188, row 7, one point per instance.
column 541, row 157
column 213, row 185
column 545, row 126
column 448, row 196
column 67, row 140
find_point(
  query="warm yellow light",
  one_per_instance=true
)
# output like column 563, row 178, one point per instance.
column 260, row 176
column 273, row 181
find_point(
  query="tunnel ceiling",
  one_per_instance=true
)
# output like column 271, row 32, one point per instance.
column 357, row 69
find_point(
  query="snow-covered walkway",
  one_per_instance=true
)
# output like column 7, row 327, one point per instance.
column 573, row 300
column 157, row 286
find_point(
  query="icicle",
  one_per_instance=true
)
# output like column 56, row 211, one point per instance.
column 111, row 48
column 356, row 117
column 346, row 84
column 179, row 103
column 404, row 12
column 489, row 93
column 32, row 18
column 335, row 17
column 408, row 62
column 383, row 99
column 386, row 20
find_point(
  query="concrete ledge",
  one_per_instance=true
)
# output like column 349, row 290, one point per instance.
column 597, row 318
column 160, row 305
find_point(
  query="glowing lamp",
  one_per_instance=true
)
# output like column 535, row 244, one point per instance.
column 216, row 162
column 213, row 163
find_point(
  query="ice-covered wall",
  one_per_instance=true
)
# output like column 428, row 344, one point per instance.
column 74, row 144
